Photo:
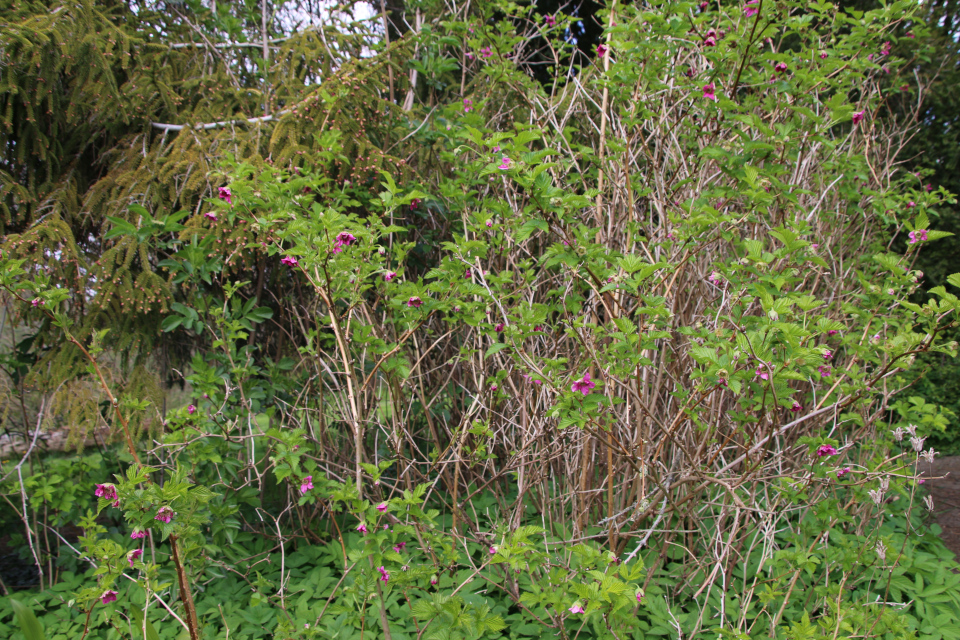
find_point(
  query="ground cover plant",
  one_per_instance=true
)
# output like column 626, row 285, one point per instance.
column 462, row 352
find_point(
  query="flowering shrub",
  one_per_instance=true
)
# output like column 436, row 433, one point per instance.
column 616, row 357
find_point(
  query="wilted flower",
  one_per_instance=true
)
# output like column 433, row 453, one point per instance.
column 796, row 406
column 912, row 429
column 290, row 261
column 108, row 596
column 306, row 484
column 710, row 41
column 928, row 455
column 881, row 551
column 928, row 502
column 897, row 434
column 780, row 67
column 224, row 194
column 133, row 556
column 414, row 302
column 876, row 496
column 601, row 50
column 917, row 443
column 826, row 450
column 584, row 386
column 165, row 514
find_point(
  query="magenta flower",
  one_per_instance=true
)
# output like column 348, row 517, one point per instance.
column 138, row 533
column 823, row 55
column 210, row 215
column 165, row 514
column 704, row 5
column 362, row 528
column 920, row 235
column 584, row 386
column 550, row 20
column 885, row 51
column 826, row 450
column 601, row 50
column 832, row 332
column 415, row 203
column 344, row 239
column 780, row 67
column 290, row 261
column 910, row 205
column 106, row 491
column 399, row 546
column 382, row 507
column 843, row 472
column 108, row 596
column 224, row 194
column 486, row 52
column 761, row 372
column 490, row 222
column 414, row 302
column 576, row 608
column 710, row 41
column 383, row 574
column 389, row 275
column 133, row 556
column 499, row 327
column 708, row 92
column 824, row 370
column 433, row 580
column 306, row 484
column 858, row 116
column 467, row 104
column 715, row 278
column 504, row 165
column 493, row 550
column 640, row 597
column 751, row 9
column 493, row 387
column 37, row 302
column 795, row 407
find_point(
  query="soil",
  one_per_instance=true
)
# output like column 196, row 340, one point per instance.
column 946, row 498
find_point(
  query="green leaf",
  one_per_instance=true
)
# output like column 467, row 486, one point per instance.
column 31, row 627
column 151, row 633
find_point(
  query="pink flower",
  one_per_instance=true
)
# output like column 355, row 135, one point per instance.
column 165, row 514
column 704, row 5
column 399, row 546
column 415, row 203
column 224, row 194
column 826, row 450
column 824, row 371
column 344, row 239
column 761, row 372
column 910, row 34
column 505, row 164
column 576, row 608
column 210, row 215
column 383, row 574
column 885, row 51
column 382, row 507
column 389, row 275
column 710, row 41
column 493, row 550
column 138, row 533
column 290, row 261
column 108, row 596
column 929, row 188
column 715, row 278
column 843, row 472
column 191, row 409
column 433, row 580
column 827, row 354
column 306, row 484
column 470, row 56
column 708, row 92
column 467, row 103
column 550, row 20
column 601, row 50
column 362, row 528
column 832, row 332
column 486, row 52
column 911, row 204
column 106, row 491
column 489, row 223
column 414, row 302
column 823, row 55
column 133, row 556
column 920, row 235
column 499, row 327
column 858, row 116
column 795, row 407
column 538, row 328
column 37, row 302
column 780, row 67
column 750, row 9
column 493, row 387
column 584, row 386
